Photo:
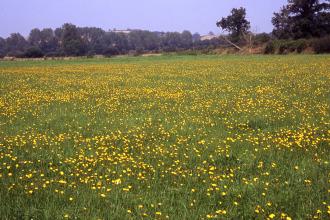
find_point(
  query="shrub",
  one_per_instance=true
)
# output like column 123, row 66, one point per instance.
column 33, row 52
column 261, row 38
column 301, row 45
column 286, row 46
column 282, row 48
column 111, row 51
column 90, row 54
column 16, row 53
column 55, row 54
column 321, row 45
column 270, row 48
column 189, row 52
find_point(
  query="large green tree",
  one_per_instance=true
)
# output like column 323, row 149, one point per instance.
column 302, row 19
column 236, row 23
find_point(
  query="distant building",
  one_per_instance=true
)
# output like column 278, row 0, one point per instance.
column 208, row 37
column 121, row 31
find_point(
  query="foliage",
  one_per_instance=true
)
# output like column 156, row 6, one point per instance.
column 72, row 42
column 2, row 47
column 302, row 19
column 261, row 38
column 286, row 46
column 33, row 52
column 236, row 23
column 110, row 51
column 15, row 44
column 270, row 48
column 322, row 45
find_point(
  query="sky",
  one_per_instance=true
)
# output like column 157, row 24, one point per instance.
column 155, row 15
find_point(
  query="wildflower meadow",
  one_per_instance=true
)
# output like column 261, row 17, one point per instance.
column 169, row 137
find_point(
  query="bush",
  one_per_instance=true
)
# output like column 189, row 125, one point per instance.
column 55, row 54
column 33, row 52
column 90, row 54
column 189, row 52
column 296, row 45
column 283, row 49
column 321, row 45
column 261, row 38
column 270, row 48
column 17, row 54
column 111, row 51
column 286, row 46
column 301, row 45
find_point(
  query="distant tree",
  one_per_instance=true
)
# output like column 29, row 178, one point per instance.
column 143, row 40
column 302, row 19
column 171, row 41
column 58, row 33
column 72, row 43
column 49, row 43
column 34, row 38
column 93, row 39
column 115, row 43
column 44, row 40
column 2, row 47
column 236, row 23
column 186, row 39
column 16, row 45
column 196, row 37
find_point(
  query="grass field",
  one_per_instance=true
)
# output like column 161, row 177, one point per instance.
column 172, row 137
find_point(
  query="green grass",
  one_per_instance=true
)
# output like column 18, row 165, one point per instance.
column 169, row 137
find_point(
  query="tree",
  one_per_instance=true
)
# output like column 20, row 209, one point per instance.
column 186, row 39
column 93, row 39
column 196, row 37
column 49, row 43
column 302, row 19
column 282, row 24
column 16, row 45
column 143, row 40
column 43, row 40
column 236, row 23
column 72, row 43
column 34, row 38
column 58, row 33
column 115, row 43
column 171, row 41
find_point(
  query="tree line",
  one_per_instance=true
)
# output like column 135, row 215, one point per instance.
column 70, row 40
column 299, row 19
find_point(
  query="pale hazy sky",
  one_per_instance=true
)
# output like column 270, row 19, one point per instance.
column 157, row 15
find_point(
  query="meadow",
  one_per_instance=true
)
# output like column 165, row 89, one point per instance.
column 170, row 137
